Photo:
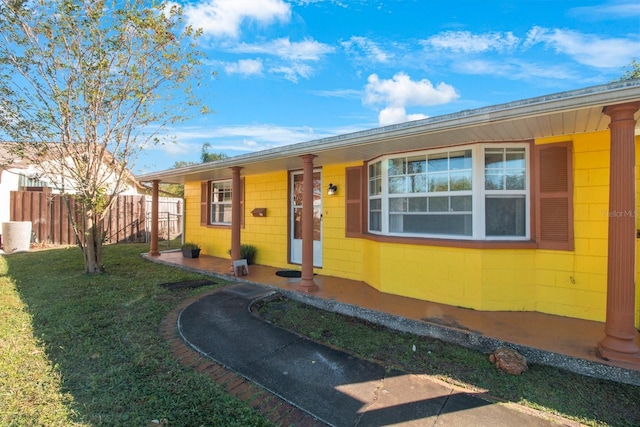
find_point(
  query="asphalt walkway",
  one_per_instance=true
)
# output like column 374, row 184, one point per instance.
column 332, row 386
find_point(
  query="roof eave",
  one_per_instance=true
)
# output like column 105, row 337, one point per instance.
column 595, row 96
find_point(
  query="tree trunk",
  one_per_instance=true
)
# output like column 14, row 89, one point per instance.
column 92, row 247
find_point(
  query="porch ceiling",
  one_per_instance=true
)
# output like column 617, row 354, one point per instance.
column 554, row 115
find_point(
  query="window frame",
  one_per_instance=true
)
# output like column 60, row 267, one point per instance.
column 507, row 193
column 213, row 203
column 477, row 192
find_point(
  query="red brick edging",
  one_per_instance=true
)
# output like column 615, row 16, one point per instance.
column 272, row 407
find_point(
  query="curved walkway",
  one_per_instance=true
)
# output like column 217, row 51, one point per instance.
column 272, row 407
column 303, row 383
column 563, row 342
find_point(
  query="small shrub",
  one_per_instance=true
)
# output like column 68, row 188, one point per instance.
column 190, row 246
column 190, row 250
column 247, row 252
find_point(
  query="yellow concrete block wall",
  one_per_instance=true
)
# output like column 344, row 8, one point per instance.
column 637, row 317
column 566, row 283
column 508, row 279
column 214, row 241
column 268, row 234
column 574, row 283
column 371, row 263
column 341, row 257
column 439, row 274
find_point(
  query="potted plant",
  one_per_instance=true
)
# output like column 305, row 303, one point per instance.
column 190, row 250
column 247, row 252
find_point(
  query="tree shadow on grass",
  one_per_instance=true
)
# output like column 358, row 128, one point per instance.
column 101, row 333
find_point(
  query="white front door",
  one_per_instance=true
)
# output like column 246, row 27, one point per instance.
column 296, row 218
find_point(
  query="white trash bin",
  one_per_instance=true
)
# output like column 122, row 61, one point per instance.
column 16, row 236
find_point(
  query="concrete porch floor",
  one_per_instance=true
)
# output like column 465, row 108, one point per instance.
column 546, row 339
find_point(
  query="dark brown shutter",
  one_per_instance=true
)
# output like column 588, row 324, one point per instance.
column 204, row 203
column 554, row 196
column 354, row 201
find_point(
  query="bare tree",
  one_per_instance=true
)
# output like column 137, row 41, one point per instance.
column 85, row 85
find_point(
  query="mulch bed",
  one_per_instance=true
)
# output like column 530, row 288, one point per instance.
column 187, row 284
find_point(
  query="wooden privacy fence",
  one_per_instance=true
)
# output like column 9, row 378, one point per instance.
column 125, row 222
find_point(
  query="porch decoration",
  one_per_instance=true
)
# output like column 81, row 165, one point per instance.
column 190, row 250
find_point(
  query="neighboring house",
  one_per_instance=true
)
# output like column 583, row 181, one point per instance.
column 18, row 174
column 507, row 207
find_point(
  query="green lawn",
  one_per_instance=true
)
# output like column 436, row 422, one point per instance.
column 583, row 399
column 87, row 350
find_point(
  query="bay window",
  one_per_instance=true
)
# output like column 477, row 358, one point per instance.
column 473, row 192
column 505, row 192
column 375, row 196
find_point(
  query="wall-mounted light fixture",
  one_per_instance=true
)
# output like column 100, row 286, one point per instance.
column 332, row 190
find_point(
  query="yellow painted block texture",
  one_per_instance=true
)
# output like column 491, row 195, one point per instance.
column 215, row 241
column 574, row 283
column 440, row 274
column 556, row 282
column 268, row 234
column 341, row 257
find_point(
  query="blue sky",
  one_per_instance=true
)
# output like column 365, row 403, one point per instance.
column 299, row 70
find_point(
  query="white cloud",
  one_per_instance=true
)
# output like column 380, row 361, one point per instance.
column 220, row 18
column 245, row 67
column 587, row 49
column 296, row 55
column 401, row 91
column 338, row 93
column 310, row 2
column 466, row 42
column 250, row 137
column 306, row 50
column 293, row 72
column 394, row 115
column 612, row 10
column 176, row 148
column 513, row 69
column 371, row 51
column 411, row 117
